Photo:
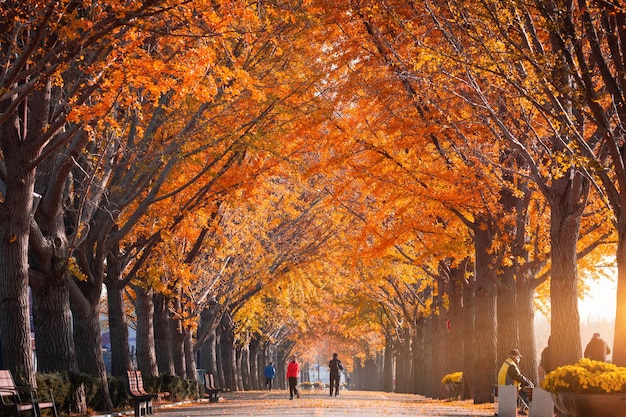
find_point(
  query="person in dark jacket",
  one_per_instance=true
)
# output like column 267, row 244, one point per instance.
column 597, row 348
column 270, row 373
column 510, row 374
column 335, row 366
column 545, row 364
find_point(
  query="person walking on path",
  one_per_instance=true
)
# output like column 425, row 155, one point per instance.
column 270, row 373
column 293, row 371
column 335, row 366
column 510, row 374
column 597, row 348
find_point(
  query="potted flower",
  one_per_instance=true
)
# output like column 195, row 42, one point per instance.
column 453, row 384
column 588, row 388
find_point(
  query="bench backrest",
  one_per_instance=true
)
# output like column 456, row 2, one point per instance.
column 132, row 383
column 7, row 384
column 209, row 381
column 139, row 380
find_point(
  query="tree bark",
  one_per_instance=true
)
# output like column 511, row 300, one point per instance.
column 508, row 315
column 118, row 328
column 418, row 369
column 191, row 370
column 178, row 348
column 388, row 366
column 52, row 320
column 619, row 342
column 146, row 352
column 469, row 341
column 15, row 219
column 163, row 337
column 485, row 315
column 566, row 210
column 89, row 344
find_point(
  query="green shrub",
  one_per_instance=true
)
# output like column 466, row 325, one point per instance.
column 65, row 384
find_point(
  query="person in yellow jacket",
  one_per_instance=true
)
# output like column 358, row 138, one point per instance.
column 510, row 374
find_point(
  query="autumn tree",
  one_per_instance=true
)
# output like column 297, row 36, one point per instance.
column 52, row 54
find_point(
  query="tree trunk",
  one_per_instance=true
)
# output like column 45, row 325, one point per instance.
column 146, row 354
column 178, row 348
column 52, row 320
column 245, row 368
column 428, row 357
column 508, row 315
column 118, row 328
column 191, row 371
column 469, row 342
column 403, row 363
column 564, row 233
column 89, row 347
column 418, row 369
column 163, row 337
column 526, row 319
column 485, row 303
column 53, row 335
column 619, row 342
column 255, row 351
column 454, row 327
column 388, row 366
column 15, row 218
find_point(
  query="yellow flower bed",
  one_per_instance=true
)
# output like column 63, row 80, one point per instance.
column 453, row 378
column 586, row 375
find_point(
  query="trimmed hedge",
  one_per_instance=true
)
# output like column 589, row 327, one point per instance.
column 64, row 384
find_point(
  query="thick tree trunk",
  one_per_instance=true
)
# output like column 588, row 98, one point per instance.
column 178, row 348
column 54, row 340
column 191, row 371
column 486, row 361
column 508, row 315
column 163, row 337
column 428, row 357
column 209, row 354
column 388, row 366
column 403, row 363
column 526, row 319
column 228, row 358
column 441, row 361
column 118, row 328
column 52, row 320
column 619, row 343
column 255, row 350
column 246, row 380
column 15, row 218
column 564, row 233
column 89, row 347
column 146, row 354
column 453, row 334
column 469, row 342
column 418, row 370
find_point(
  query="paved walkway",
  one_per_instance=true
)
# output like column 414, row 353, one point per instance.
column 319, row 404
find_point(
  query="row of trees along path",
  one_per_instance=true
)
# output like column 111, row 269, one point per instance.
column 406, row 181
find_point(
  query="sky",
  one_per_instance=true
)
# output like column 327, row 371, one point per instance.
column 600, row 303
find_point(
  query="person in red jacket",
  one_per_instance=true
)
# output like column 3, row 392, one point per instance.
column 293, row 371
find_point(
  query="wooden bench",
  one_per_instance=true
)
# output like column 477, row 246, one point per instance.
column 142, row 403
column 211, row 390
column 15, row 400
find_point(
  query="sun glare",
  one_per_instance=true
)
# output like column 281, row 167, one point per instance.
column 600, row 302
